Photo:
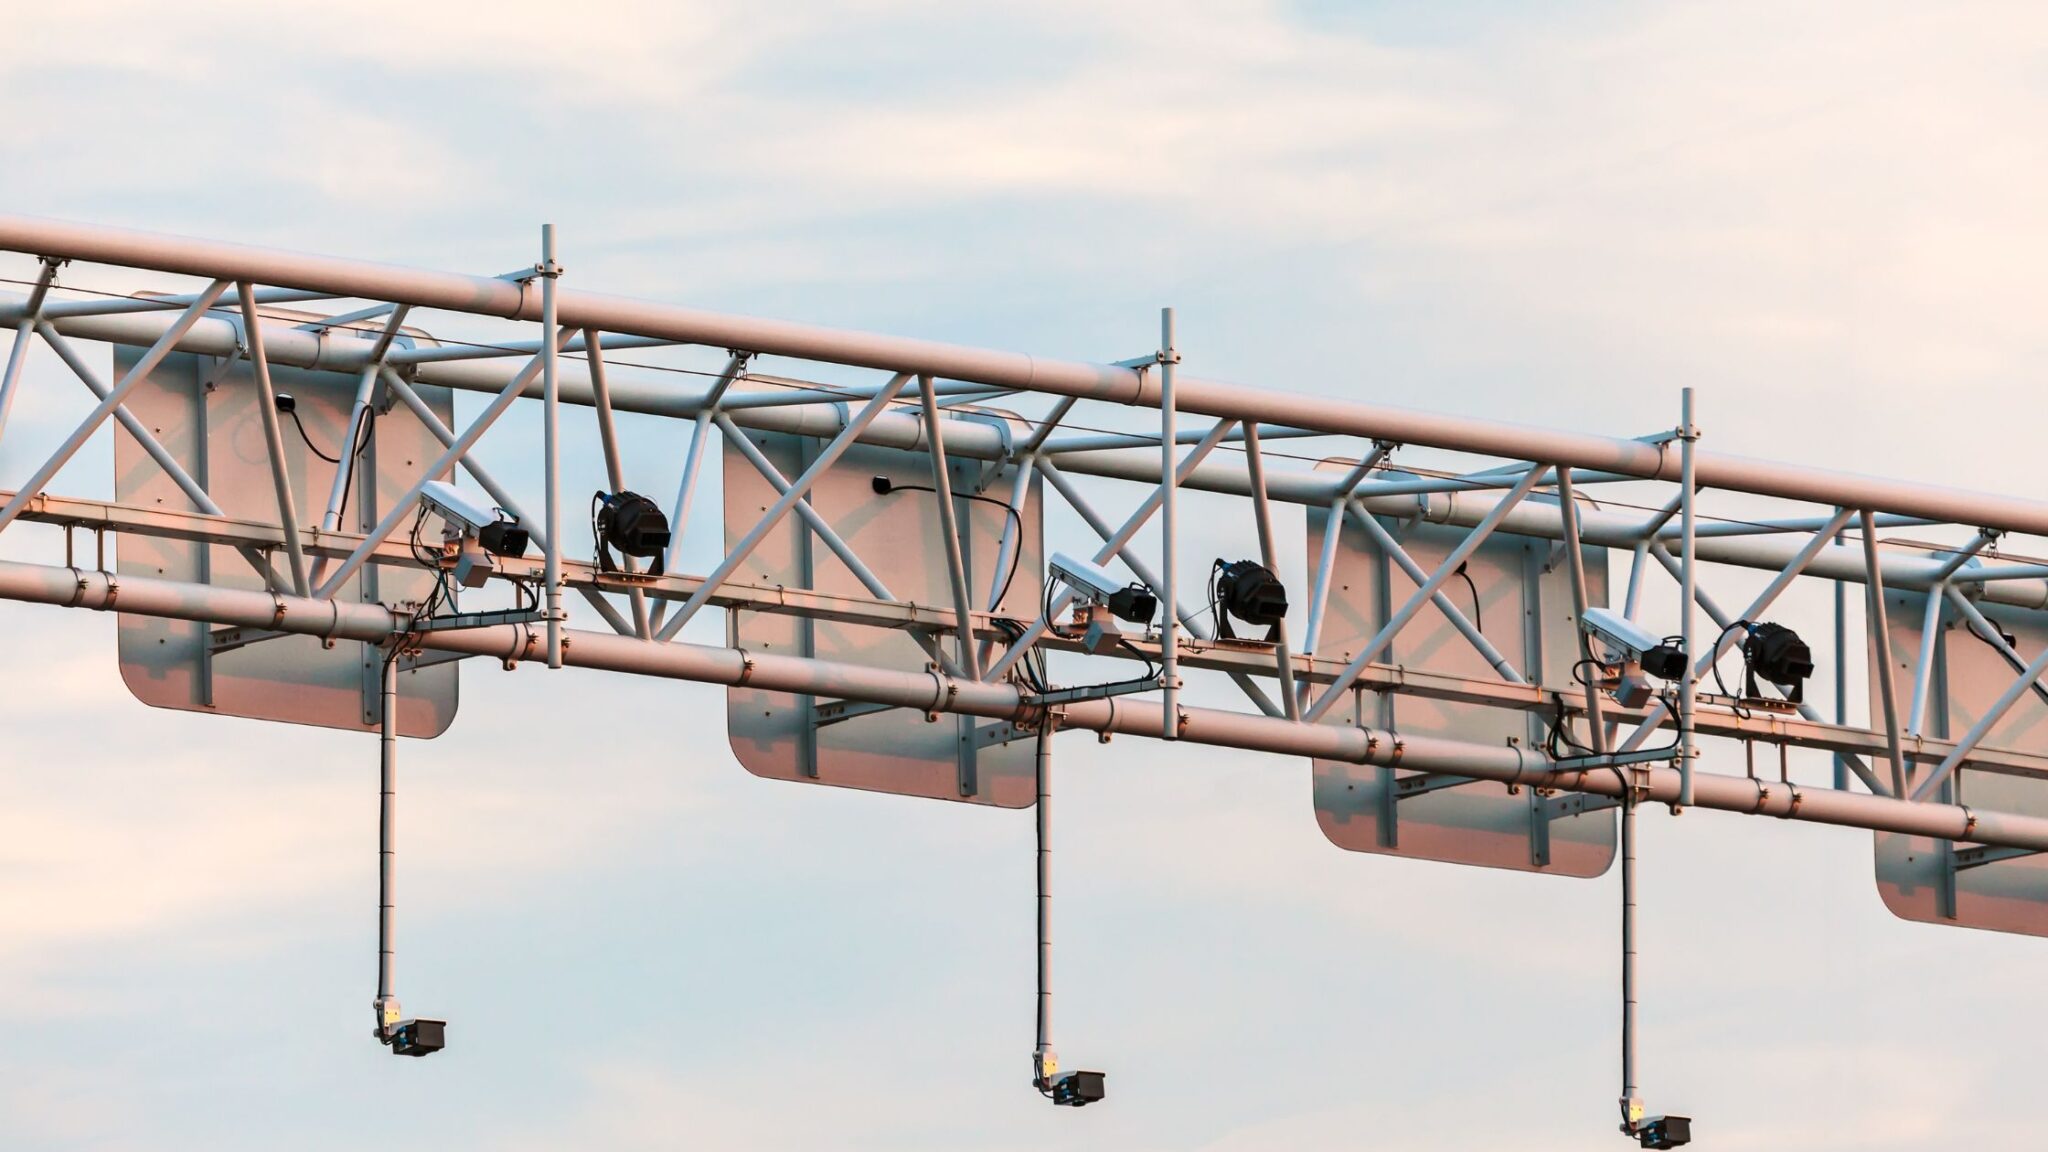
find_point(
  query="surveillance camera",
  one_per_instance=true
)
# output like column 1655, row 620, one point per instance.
column 1094, row 584
column 1078, row 1089
column 1625, row 639
column 1091, row 582
column 447, row 501
column 1664, row 1132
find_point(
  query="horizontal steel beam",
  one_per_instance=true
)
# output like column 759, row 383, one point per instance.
column 1234, row 658
column 631, row 392
column 519, row 300
column 932, row 692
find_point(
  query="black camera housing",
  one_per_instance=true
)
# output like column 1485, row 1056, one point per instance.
column 1078, row 1089
column 1665, row 1132
column 418, row 1037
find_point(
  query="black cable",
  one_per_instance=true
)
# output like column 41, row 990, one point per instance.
column 1718, row 682
column 1971, row 625
column 315, row 448
column 1478, row 621
column 1011, row 513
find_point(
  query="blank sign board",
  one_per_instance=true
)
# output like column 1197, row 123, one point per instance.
column 207, row 416
column 1517, row 590
column 897, row 536
column 1938, row 881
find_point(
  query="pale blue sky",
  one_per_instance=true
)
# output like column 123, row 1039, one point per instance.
column 1827, row 218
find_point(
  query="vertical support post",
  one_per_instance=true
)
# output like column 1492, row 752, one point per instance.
column 1043, row 1060
column 1688, row 686
column 1575, row 567
column 551, row 448
column 1841, row 781
column 949, row 527
column 1879, row 626
column 1169, row 641
column 1262, row 512
column 387, row 775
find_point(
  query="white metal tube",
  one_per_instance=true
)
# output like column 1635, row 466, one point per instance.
column 1881, row 664
column 1326, row 568
column 1983, row 726
column 154, row 449
column 614, row 467
column 1169, row 625
column 1688, row 577
column 98, row 416
column 373, row 623
column 1470, row 544
column 453, row 453
column 2009, row 584
column 1703, row 664
column 781, row 507
column 496, row 491
column 17, row 355
column 551, row 439
column 1262, row 514
column 387, row 805
column 1043, row 820
column 949, row 529
column 1392, row 547
column 1575, row 570
column 810, row 514
column 1112, row 546
column 273, row 438
column 483, row 295
column 1923, row 672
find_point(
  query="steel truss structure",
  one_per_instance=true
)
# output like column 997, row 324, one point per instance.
column 1898, row 774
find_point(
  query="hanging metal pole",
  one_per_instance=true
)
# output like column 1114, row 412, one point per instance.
column 1169, row 641
column 1631, row 1098
column 387, row 845
column 1688, row 685
column 551, row 440
column 1044, row 1062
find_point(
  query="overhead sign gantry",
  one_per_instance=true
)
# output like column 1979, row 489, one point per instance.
column 1500, row 642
